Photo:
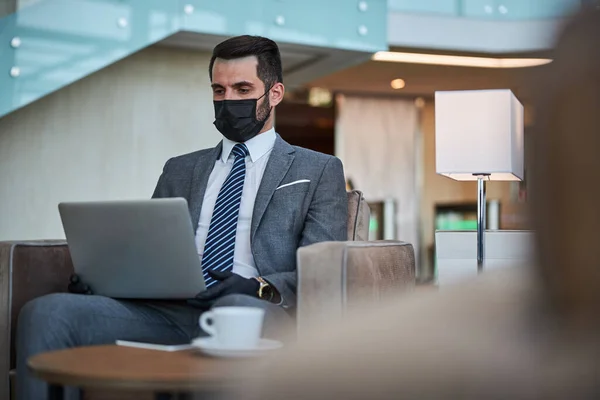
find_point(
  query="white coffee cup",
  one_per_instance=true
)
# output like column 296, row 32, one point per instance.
column 234, row 327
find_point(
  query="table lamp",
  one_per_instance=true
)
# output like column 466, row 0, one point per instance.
column 479, row 136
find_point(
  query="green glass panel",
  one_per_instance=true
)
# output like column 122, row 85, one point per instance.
column 53, row 43
column 444, row 7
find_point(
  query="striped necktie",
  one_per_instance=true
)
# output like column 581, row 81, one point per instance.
column 220, row 241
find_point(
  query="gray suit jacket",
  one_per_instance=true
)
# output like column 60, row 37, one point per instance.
column 283, row 219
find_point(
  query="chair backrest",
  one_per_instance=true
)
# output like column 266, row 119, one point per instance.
column 358, row 216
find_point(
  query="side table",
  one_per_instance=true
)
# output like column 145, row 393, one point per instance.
column 179, row 373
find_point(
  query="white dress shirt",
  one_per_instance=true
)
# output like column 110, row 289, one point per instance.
column 260, row 148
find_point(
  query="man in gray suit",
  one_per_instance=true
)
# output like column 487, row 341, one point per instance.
column 254, row 200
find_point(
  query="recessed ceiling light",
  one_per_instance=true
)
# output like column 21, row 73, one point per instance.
column 319, row 97
column 397, row 83
column 459, row 61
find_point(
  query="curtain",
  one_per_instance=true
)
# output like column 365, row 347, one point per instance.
column 377, row 140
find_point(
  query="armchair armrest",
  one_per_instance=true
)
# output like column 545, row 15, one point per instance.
column 335, row 276
column 28, row 269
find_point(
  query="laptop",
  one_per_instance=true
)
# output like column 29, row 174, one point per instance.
column 137, row 249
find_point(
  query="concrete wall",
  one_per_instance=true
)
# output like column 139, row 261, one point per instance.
column 104, row 137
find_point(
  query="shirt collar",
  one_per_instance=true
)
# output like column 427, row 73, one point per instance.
column 258, row 146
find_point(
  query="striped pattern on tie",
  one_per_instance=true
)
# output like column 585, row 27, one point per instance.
column 220, row 241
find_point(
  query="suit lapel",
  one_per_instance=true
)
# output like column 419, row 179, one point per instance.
column 278, row 165
column 202, row 170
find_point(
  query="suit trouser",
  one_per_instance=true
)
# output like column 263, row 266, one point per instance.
column 63, row 320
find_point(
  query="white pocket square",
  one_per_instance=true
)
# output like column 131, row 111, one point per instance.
column 294, row 183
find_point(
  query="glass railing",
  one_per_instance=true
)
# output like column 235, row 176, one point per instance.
column 488, row 9
column 48, row 44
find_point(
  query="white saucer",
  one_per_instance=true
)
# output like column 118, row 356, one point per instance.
column 211, row 347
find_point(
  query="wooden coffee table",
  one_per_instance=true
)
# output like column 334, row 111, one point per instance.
column 119, row 367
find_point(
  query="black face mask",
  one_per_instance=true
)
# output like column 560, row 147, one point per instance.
column 236, row 119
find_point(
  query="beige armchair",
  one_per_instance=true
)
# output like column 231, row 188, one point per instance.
column 335, row 276
column 332, row 275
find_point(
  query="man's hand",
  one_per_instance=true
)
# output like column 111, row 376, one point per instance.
column 229, row 283
column 77, row 286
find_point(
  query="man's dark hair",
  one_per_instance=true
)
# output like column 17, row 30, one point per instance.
column 266, row 51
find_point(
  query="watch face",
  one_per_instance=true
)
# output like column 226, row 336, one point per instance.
column 267, row 292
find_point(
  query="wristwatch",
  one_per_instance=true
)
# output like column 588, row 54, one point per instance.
column 265, row 290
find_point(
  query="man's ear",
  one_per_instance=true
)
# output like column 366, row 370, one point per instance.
column 276, row 94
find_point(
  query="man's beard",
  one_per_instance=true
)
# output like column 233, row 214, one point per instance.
column 263, row 110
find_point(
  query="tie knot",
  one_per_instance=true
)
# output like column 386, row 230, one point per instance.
column 240, row 150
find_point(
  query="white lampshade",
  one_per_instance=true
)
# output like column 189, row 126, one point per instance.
column 479, row 132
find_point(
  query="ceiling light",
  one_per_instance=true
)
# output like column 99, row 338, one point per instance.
column 459, row 61
column 398, row 83
column 319, row 97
